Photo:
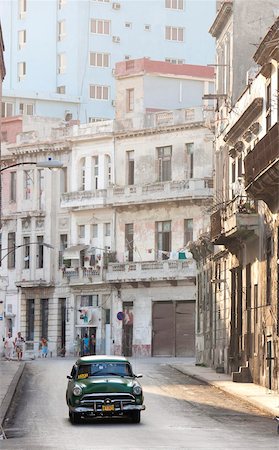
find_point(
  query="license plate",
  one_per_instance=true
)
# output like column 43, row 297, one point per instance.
column 108, row 408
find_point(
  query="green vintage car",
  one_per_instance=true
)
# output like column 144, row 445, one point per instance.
column 104, row 386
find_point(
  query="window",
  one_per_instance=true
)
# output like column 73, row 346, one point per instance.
column 175, row 61
column 163, row 239
column 174, row 4
column 22, row 8
column 30, row 319
column 89, row 300
column 189, row 160
column 40, row 252
column 127, row 57
column 129, row 241
column 44, row 317
column 164, row 163
column 96, row 119
column 11, row 250
column 63, row 180
column 98, row 26
column 95, row 230
column 268, row 270
column 131, row 167
column 13, row 186
column 21, row 70
column 26, row 252
column 81, row 231
column 95, row 171
column 21, row 38
column 128, row 25
column 41, row 188
column 99, row 92
column 61, row 30
column 268, row 106
column 27, row 180
column 26, row 109
column 7, row 109
column 63, row 246
column 4, row 136
column 147, row 27
column 99, row 59
column 130, row 94
column 174, row 34
column 82, row 174
column 107, row 229
column 61, row 89
column 61, row 63
column 188, row 230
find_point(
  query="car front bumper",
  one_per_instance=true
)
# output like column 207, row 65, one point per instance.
column 98, row 412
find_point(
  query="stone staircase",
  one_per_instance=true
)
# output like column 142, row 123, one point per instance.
column 242, row 376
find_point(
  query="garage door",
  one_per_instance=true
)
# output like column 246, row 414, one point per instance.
column 173, row 328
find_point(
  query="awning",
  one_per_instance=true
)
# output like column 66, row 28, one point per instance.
column 74, row 251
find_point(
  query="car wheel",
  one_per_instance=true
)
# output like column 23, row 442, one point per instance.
column 74, row 417
column 135, row 416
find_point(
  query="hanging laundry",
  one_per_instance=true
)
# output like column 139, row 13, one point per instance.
column 182, row 255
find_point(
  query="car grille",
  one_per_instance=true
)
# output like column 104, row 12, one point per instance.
column 96, row 401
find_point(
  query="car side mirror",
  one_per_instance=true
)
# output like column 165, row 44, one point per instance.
column 69, row 377
column 138, row 376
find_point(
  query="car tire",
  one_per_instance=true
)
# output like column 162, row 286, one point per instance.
column 74, row 417
column 135, row 416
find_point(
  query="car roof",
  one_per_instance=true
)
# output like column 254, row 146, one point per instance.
column 101, row 358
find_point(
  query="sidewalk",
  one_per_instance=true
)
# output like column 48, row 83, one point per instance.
column 261, row 397
column 10, row 373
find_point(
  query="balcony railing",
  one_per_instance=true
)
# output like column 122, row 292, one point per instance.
column 193, row 188
column 81, row 275
column 235, row 219
column 262, row 169
column 151, row 270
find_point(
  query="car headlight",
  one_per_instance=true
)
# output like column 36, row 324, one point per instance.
column 137, row 389
column 77, row 390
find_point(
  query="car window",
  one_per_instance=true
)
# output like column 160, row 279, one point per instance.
column 73, row 371
column 104, row 369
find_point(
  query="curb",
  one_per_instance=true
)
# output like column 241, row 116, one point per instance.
column 268, row 410
column 10, row 393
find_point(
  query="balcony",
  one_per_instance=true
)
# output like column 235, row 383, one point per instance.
column 84, row 199
column 237, row 220
column 138, row 194
column 262, row 169
column 81, row 275
column 148, row 271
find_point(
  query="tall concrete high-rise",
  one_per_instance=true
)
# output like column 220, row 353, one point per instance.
column 60, row 54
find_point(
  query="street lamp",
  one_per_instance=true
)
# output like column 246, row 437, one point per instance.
column 23, row 245
column 48, row 164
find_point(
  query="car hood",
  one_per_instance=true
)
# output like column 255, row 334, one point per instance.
column 106, row 384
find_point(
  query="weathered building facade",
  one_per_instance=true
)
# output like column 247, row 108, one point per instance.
column 119, row 215
column 239, row 316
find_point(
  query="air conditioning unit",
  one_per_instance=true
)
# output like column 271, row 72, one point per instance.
column 116, row 5
column 116, row 39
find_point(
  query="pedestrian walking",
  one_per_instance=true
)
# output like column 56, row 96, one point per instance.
column 92, row 344
column 9, row 346
column 85, row 341
column 77, row 345
column 19, row 345
column 44, row 344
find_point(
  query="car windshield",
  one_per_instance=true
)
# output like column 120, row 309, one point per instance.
column 101, row 369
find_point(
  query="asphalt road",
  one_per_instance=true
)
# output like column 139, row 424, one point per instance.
column 181, row 414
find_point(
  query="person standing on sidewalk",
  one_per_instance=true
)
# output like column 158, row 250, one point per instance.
column 19, row 344
column 9, row 346
column 44, row 347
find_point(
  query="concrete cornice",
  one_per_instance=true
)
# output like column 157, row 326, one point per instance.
column 169, row 129
column 221, row 19
column 268, row 48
